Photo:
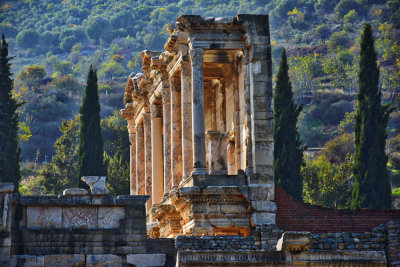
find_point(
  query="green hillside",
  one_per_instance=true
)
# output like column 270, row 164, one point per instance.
column 54, row 42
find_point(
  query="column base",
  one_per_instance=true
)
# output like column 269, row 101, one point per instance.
column 199, row 171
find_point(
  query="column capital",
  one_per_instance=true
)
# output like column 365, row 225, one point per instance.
column 196, row 55
column 156, row 110
column 131, row 127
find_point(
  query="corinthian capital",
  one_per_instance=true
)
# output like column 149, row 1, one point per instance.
column 196, row 56
column 156, row 110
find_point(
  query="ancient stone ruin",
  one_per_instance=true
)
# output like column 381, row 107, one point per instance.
column 202, row 187
column 201, row 128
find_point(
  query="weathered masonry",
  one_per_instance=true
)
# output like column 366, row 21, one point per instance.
column 201, row 130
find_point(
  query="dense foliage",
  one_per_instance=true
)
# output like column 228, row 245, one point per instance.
column 90, row 153
column 288, row 155
column 9, row 146
column 321, row 38
column 371, row 185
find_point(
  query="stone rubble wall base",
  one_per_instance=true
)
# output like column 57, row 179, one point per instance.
column 90, row 260
column 280, row 258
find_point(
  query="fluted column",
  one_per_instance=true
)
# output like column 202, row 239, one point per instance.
column 199, row 147
column 148, row 169
column 132, row 171
column 140, row 163
column 166, row 99
column 156, row 153
column 236, row 100
column 186, row 100
column 176, row 132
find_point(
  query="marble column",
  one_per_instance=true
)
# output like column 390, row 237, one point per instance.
column 176, row 132
column 199, row 147
column 166, row 99
column 217, row 160
column 148, row 169
column 236, row 101
column 132, row 171
column 140, row 163
column 186, row 106
column 156, row 153
column 248, row 125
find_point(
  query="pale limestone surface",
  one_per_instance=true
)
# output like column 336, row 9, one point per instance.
column 79, row 217
column 97, row 184
column 75, row 192
column 44, row 217
column 140, row 160
column 105, row 260
column 146, row 260
column 294, row 241
column 109, row 217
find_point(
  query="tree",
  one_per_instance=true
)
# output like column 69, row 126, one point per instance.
column 32, row 76
column 328, row 184
column 323, row 31
column 339, row 39
column 350, row 17
column 91, row 161
column 9, row 147
column 27, row 39
column 96, row 27
column 371, row 184
column 287, row 152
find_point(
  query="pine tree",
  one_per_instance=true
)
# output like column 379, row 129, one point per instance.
column 91, row 162
column 9, row 146
column 288, row 154
column 371, row 179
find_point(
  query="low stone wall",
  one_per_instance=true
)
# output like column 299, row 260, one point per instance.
column 85, row 224
column 375, row 240
column 393, row 243
column 78, row 230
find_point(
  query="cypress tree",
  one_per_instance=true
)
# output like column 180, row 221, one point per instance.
column 371, row 179
column 9, row 146
column 288, row 153
column 91, row 162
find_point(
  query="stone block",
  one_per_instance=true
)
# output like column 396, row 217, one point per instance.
column 259, row 218
column 103, row 200
column 79, row 217
column 97, row 184
column 27, row 261
column 294, row 241
column 261, row 192
column 263, row 205
column 109, row 217
column 75, row 192
column 6, row 187
column 104, row 260
column 43, row 217
column 146, row 260
column 64, row 260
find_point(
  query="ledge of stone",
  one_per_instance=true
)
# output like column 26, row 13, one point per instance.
column 6, row 187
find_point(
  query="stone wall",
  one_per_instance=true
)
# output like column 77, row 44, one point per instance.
column 293, row 215
column 81, row 229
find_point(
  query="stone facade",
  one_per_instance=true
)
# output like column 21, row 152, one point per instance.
column 209, row 95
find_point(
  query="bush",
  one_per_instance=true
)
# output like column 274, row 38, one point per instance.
column 27, row 39
column 339, row 39
column 338, row 148
column 345, row 6
column 67, row 43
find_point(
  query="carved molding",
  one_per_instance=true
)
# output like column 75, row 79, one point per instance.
column 156, row 110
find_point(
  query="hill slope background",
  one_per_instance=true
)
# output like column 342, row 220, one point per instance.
column 55, row 42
